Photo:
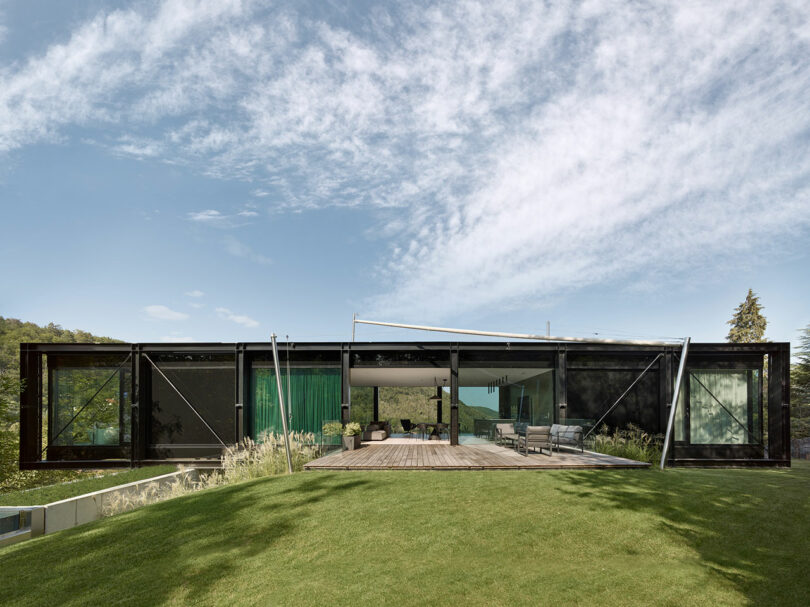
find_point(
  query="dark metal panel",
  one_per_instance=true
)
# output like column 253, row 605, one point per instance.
column 439, row 394
column 561, row 385
column 134, row 405
column 345, row 388
column 785, row 351
column 143, row 413
column 665, row 397
column 779, row 402
column 454, row 396
column 76, row 464
column 775, row 433
column 30, row 406
column 240, row 394
column 376, row 403
column 730, row 463
column 718, row 452
column 87, row 452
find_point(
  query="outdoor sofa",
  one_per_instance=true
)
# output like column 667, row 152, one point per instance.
column 567, row 435
column 377, row 431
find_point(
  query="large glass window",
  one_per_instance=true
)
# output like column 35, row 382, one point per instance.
column 89, row 401
column 362, row 409
column 488, row 395
column 724, row 407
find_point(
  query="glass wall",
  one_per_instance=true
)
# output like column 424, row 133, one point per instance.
column 504, row 386
column 89, row 401
column 723, row 408
column 362, row 405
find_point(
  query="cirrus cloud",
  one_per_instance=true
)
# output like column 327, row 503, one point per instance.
column 520, row 150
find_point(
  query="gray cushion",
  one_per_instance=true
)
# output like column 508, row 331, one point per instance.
column 504, row 429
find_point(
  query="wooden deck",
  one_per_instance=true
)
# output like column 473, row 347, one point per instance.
column 462, row 457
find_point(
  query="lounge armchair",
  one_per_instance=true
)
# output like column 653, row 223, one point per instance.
column 534, row 437
column 567, row 435
column 505, row 433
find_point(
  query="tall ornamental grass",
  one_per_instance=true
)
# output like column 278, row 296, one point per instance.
column 631, row 443
column 247, row 460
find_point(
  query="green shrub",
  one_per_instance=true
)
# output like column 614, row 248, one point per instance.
column 332, row 429
column 352, row 429
column 631, row 443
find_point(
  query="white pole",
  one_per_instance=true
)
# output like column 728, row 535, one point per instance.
column 281, row 403
column 674, row 404
column 588, row 340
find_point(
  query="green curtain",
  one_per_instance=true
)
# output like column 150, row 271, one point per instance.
column 315, row 399
column 711, row 424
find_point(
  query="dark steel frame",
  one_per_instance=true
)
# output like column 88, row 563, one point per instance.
column 562, row 357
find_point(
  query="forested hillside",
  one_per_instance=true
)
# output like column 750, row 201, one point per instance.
column 413, row 403
column 12, row 333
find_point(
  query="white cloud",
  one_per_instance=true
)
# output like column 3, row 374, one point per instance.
column 521, row 150
column 195, row 293
column 160, row 312
column 239, row 319
column 196, row 305
column 207, row 216
column 239, row 249
column 217, row 219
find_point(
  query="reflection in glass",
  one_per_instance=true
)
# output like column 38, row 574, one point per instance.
column 504, row 394
column 90, row 405
column 724, row 407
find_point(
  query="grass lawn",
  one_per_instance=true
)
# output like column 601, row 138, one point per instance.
column 54, row 493
column 624, row 537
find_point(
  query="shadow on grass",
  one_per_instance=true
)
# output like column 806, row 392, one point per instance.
column 751, row 527
column 177, row 550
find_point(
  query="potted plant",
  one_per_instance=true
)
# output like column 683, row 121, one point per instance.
column 351, row 435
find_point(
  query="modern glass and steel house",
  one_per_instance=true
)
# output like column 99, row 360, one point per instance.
column 107, row 405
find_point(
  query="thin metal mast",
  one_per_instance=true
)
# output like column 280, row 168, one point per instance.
column 281, row 403
column 675, row 395
column 588, row 340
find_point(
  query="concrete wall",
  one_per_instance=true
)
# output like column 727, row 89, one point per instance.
column 90, row 507
column 82, row 509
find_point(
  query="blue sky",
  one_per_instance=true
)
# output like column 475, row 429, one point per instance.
column 217, row 171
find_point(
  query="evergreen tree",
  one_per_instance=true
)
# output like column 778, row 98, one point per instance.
column 800, row 388
column 748, row 324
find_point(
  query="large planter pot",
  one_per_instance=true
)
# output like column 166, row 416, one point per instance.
column 351, row 442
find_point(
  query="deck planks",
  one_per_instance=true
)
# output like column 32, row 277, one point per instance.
column 424, row 456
